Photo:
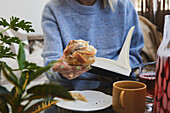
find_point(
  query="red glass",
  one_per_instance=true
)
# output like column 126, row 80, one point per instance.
column 149, row 79
column 148, row 76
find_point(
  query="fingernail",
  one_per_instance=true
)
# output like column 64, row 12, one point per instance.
column 87, row 67
column 61, row 66
column 90, row 68
column 78, row 67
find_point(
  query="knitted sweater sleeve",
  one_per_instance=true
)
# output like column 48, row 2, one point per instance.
column 137, row 41
column 53, row 47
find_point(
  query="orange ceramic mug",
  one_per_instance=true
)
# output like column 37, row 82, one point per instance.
column 129, row 97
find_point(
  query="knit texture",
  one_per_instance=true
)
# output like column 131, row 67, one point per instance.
column 65, row 20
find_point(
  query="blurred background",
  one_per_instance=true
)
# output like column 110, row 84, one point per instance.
column 151, row 17
column 153, row 10
column 30, row 10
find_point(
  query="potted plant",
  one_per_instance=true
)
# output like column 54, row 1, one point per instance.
column 19, row 98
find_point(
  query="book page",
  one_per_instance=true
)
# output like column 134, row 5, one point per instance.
column 122, row 65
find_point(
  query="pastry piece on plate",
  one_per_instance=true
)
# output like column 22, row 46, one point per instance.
column 78, row 96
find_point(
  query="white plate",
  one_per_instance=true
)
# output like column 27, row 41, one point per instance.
column 96, row 101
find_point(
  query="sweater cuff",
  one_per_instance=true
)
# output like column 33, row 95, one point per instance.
column 57, row 75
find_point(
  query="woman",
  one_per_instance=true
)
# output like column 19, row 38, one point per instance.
column 105, row 29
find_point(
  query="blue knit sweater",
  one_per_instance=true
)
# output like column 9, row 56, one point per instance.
column 65, row 20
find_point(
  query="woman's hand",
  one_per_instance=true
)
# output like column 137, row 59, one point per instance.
column 68, row 71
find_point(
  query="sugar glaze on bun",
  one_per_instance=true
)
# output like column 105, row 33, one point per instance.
column 79, row 53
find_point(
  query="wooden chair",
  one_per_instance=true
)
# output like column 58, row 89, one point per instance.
column 157, row 18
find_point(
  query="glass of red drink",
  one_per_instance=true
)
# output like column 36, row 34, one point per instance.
column 147, row 75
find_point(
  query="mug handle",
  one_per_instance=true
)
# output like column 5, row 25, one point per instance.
column 122, row 99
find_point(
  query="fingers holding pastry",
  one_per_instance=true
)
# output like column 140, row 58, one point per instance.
column 76, row 60
column 72, row 74
column 59, row 65
column 68, row 71
column 63, row 68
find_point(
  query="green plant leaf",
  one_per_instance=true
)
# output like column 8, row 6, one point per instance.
column 1, row 35
column 9, row 75
column 33, row 97
column 51, row 90
column 16, row 23
column 6, row 96
column 3, row 22
column 38, row 73
column 6, row 53
column 29, row 71
column 3, row 90
column 33, row 72
column 3, row 106
column 13, row 91
column 31, row 66
column 21, row 56
column 40, row 70
column 40, row 106
column 9, row 40
column 23, row 78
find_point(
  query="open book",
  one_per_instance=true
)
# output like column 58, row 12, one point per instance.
column 122, row 65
